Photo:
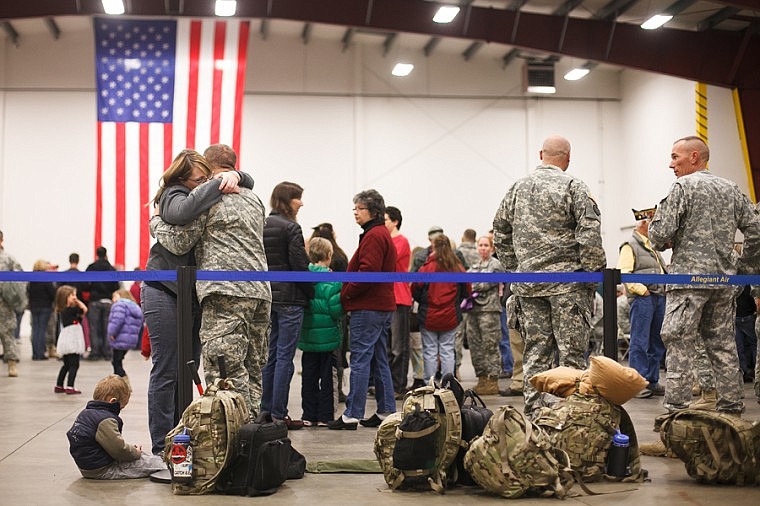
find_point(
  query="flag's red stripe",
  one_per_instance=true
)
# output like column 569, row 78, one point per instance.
column 220, row 30
column 144, row 189
column 192, row 85
column 240, row 85
column 168, row 145
column 99, row 191
column 120, row 194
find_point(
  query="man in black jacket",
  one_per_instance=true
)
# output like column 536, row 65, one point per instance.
column 100, row 307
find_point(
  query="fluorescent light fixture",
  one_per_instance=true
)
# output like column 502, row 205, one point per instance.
column 446, row 14
column 576, row 74
column 656, row 21
column 542, row 89
column 113, row 7
column 402, row 69
column 225, row 7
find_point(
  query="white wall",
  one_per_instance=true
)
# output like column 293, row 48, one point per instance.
column 442, row 145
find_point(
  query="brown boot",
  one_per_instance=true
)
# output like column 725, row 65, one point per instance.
column 656, row 449
column 490, row 386
column 12, row 371
column 479, row 385
column 707, row 402
column 51, row 351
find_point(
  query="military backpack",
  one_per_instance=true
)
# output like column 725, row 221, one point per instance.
column 416, row 447
column 515, row 457
column 715, row 447
column 214, row 422
column 583, row 426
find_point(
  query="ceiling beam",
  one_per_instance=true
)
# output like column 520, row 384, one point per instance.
column 567, row 7
column 614, row 9
column 264, row 29
column 678, row 6
column 52, row 27
column 390, row 39
column 306, row 32
column 717, row 18
column 471, row 50
column 10, row 32
column 509, row 57
column 431, row 45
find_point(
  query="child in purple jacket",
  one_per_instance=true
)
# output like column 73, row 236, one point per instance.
column 124, row 324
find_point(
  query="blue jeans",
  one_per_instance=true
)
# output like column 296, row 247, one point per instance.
column 746, row 343
column 160, row 310
column 97, row 317
column 40, row 319
column 368, row 331
column 646, row 347
column 283, row 338
column 435, row 344
column 507, row 362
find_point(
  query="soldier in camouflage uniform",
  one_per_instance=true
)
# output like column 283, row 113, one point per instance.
column 483, row 322
column 699, row 218
column 8, row 322
column 235, row 314
column 548, row 222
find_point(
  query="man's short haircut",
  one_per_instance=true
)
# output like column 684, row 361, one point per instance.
column 373, row 201
column 395, row 215
column 101, row 252
column 470, row 235
column 698, row 144
column 74, row 258
column 320, row 249
column 110, row 387
column 220, row 156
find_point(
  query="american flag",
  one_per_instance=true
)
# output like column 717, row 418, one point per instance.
column 163, row 86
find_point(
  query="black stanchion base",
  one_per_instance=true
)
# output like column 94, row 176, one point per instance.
column 161, row 476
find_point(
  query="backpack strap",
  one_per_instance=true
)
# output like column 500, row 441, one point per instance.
column 452, row 438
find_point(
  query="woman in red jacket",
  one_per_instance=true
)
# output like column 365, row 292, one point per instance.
column 439, row 312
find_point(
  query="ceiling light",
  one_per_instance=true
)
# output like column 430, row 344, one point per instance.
column 402, row 69
column 542, row 89
column 225, row 7
column 656, row 21
column 446, row 14
column 113, row 7
column 576, row 74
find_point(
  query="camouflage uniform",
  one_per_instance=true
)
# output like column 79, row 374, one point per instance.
column 484, row 323
column 235, row 314
column 699, row 217
column 7, row 313
column 468, row 251
column 548, row 222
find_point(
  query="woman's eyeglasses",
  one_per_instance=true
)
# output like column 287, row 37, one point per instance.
column 357, row 209
column 200, row 180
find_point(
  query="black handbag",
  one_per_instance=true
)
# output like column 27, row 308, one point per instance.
column 475, row 417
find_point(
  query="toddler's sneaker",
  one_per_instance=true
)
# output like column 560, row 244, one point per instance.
column 58, row 390
column 72, row 391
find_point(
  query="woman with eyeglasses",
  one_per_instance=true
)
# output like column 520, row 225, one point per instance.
column 286, row 251
column 184, row 193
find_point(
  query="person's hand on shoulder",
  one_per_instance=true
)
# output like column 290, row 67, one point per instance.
column 229, row 181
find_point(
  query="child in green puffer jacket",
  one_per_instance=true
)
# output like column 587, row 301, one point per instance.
column 320, row 335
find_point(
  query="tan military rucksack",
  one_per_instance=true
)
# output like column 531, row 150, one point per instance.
column 515, row 457
column 583, row 426
column 416, row 447
column 214, row 422
column 715, row 447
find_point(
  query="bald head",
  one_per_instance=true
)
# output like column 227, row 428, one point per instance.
column 556, row 151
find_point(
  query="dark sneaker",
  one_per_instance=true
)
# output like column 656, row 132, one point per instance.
column 339, row 424
column 657, row 389
column 510, row 393
column 373, row 421
column 293, row 424
column 644, row 393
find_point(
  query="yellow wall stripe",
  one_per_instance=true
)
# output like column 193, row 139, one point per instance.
column 743, row 142
column 700, row 95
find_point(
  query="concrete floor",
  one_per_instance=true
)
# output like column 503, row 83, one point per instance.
column 36, row 469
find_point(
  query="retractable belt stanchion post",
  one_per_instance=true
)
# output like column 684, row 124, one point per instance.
column 610, row 280
column 185, row 282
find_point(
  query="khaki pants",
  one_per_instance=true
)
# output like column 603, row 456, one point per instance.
column 518, row 347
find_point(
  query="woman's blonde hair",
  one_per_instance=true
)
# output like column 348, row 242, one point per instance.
column 41, row 265
column 180, row 169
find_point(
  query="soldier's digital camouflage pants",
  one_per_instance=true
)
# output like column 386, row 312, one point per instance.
column 483, row 336
column 555, row 323
column 238, row 329
column 701, row 316
column 757, row 362
column 7, row 329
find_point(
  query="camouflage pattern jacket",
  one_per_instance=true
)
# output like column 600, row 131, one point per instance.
column 699, row 217
column 548, row 222
column 228, row 237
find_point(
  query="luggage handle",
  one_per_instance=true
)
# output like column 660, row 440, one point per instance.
column 194, row 373
column 474, row 398
column 450, row 381
column 222, row 367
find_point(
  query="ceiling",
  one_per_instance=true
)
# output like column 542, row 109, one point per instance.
column 712, row 41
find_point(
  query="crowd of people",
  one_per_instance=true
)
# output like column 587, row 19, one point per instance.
column 207, row 215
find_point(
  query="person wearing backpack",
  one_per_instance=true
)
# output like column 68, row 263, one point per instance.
column 439, row 311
